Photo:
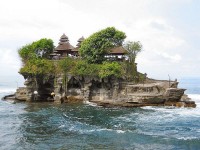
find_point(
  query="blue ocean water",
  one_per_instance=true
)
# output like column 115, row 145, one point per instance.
column 39, row 126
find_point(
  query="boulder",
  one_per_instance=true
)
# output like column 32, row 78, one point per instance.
column 173, row 94
column 180, row 104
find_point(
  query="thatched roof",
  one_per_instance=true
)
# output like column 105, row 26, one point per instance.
column 64, row 44
column 81, row 39
column 64, row 47
column 64, row 38
column 117, row 51
column 78, row 44
column 75, row 49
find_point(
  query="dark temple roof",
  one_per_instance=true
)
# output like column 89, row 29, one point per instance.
column 64, row 44
column 117, row 51
column 81, row 39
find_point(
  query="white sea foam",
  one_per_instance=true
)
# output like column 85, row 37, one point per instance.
column 120, row 131
column 90, row 103
column 195, row 97
column 61, row 126
column 188, row 138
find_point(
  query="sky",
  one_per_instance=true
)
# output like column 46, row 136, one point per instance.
column 168, row 30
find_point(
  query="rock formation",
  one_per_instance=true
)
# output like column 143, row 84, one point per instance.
column 106, row 92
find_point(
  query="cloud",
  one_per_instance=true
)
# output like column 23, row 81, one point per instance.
column 9, row 61
column 166, row 46
column 175, row 58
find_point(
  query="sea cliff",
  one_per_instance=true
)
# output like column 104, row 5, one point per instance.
column 106, row 92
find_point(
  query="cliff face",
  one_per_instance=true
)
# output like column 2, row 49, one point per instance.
column 43, row 86
column 106, row 92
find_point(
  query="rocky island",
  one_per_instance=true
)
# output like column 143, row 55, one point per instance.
column 100, row 69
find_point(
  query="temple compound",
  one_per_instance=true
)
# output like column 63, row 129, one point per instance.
column 65, row 49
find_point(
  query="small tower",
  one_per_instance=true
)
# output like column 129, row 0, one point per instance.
column 78, row 45
column 64, row 48
column 80, row 41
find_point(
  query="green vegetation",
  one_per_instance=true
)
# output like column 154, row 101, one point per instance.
column 83, row 68
column 38, row 49
column 93, row 62
column 109, row 69
column 133, row 48
column 94, row 48
column 131, row 71
column 34, row 57
column 37, row 67
column 65, row 66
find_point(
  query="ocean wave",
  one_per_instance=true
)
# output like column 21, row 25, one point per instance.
column 7, row 90
column 188, row 138
column 194, row 96
column 175, row 112
column 93, row 129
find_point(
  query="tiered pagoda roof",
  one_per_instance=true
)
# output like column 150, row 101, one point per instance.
column 78, row 45
column 64, row 44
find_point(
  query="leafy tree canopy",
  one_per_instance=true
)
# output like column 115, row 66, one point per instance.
column 37, row 67
column 66, row 64
column 133, row 48
column 94, row 48
column 83, row 68
column 109, row 69
column 38, row 49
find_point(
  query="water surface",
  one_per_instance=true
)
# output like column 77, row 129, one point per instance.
column 86, row 126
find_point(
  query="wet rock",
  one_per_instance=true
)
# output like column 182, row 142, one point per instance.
column 173, row 94
column 21, row 94
column 180, row 104
column 190, row 104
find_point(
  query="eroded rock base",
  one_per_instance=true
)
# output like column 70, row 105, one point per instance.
column 105, row 92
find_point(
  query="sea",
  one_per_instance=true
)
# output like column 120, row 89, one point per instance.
column 47, row 126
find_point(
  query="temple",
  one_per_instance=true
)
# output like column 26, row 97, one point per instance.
column 75, row 51
column 116, row 53
column 65, row 49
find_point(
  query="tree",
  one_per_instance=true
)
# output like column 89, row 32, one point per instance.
column 83, row 68
column 133, row 48
column 37, row 68
column 43, row 47
column 66, row 65
column 109, row 69
column 38, row 49
column 95, row 47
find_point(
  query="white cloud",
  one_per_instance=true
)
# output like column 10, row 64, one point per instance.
column 9, row 61
column 173, row 58
column 23, row 21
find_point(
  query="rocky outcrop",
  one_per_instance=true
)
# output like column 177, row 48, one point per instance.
column 21, row 94
column 37, row 89
column 105, row 92
column 173, row 94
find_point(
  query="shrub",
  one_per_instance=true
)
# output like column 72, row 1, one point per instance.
column 109, row 69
